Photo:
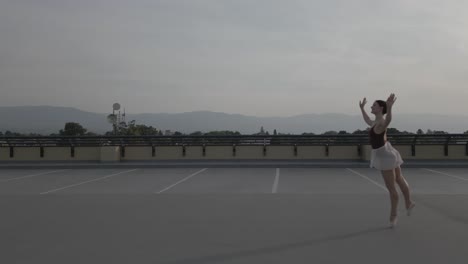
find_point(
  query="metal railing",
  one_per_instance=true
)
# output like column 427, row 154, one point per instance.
column 289, row 140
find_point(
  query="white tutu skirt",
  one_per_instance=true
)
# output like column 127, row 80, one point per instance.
column 385, row 157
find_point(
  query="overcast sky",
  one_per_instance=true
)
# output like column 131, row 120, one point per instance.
column 252, row 57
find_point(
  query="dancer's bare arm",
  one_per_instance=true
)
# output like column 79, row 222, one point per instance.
column 364, row 114
column 388, row 118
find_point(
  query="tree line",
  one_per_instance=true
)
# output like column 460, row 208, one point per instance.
column 133, row 129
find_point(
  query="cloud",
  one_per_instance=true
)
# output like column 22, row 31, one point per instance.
column 215, row 55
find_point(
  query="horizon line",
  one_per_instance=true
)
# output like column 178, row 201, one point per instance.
column 220, row 112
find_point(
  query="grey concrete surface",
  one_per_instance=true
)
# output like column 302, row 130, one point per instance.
column 266, row 163
column 229, row 215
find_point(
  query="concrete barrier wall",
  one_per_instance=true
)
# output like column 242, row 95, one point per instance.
column 430, row 152
column 437, row 152
column 311, row 152
column 4, row 153
column 168, row 152
column 249, row 152
column 219, row 152
column 110, row 154
column 87, row 153
column 343, row 152
column 176, row 152
column 193, row 152
column 50, row 154
column 64, row 154
column 269, row 152
column 25, row 154
column 113, row 153
column 405, row 151
column 137, row 153
column 366, row 152
column 160, row 153
column 280, row 152
column 241, row 152
column 457, row 152
column 56, row 153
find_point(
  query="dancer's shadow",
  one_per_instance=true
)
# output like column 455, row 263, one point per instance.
column 273, row 249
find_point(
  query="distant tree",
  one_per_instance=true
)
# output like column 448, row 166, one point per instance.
column 91, row 134
column 177, row 133
column 112, row 118
column 420, row 132
column 392, row 130
column 343, row 132
column 1, row 133
column 434, row 132
column 308, row 134
column 133, row 129
column 34, row 135
column 140, row 130
column 160, row 133
column 196, row 133
column 466, row 132
column 331, row 132
column 223, row 133
column 361, row 132
column 275, row 133
column 8, row 133
column 73, row 129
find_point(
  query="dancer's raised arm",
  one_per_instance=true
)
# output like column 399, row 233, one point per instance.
column 388, row 118
column 364, row 114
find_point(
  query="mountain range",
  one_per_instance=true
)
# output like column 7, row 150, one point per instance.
column 50, row 119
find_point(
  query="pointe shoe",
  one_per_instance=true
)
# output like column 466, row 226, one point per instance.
column 410, row 209
column 393, row 221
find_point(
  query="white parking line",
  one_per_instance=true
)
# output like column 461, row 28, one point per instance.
column 275, row 184
column 446, row 174
column 184, row 179
column 367, row 178
column 29, row 176
column 81, row 183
